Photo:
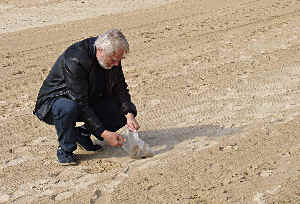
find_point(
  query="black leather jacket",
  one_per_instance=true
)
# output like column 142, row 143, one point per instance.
column 74, row 76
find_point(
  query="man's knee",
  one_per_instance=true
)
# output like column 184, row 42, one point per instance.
column 64, row 107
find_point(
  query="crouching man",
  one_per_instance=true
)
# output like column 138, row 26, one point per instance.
column 86, row 84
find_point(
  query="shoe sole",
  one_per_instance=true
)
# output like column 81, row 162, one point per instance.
column 69, row 164
column 82, row 148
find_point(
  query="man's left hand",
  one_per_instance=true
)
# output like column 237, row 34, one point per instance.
column 132, row 124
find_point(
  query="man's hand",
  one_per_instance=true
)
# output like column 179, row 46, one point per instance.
column 132, row 124
column 112, row 138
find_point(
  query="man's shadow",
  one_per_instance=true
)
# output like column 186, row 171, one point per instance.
column 164, row 140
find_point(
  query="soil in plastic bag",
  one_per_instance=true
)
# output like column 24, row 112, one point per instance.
column 135, row 146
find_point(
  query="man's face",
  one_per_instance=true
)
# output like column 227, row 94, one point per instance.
column 110, row 60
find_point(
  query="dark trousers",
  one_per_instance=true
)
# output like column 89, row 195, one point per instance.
column 65, row 114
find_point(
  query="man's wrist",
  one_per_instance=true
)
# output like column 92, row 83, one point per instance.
column 104, row 133
column 129, row 115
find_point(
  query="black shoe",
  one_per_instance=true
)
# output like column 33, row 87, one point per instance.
column 66, row 158
column 95, row 148
column 84, row 141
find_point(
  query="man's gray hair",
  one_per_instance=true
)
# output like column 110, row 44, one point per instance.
column 111, row 41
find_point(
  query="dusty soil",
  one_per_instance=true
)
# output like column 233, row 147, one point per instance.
column 216, row 84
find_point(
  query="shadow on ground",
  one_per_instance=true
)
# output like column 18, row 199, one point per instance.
column 166, row 138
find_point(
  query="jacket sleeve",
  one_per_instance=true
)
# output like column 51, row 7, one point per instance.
column 76, row 78
column 122, row 92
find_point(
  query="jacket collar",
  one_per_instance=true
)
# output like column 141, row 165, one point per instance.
column 92, row 48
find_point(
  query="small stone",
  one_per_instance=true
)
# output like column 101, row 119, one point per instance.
column 126, row 170
column 232, row 147
column 96, row 195
column 266, row 173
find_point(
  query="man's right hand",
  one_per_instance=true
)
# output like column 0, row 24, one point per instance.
column 112, row 138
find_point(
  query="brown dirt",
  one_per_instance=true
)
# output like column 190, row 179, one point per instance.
column 216, row 84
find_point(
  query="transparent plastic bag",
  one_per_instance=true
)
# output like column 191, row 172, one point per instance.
column 134, row 146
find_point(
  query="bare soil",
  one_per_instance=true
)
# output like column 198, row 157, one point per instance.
column 216, row 84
